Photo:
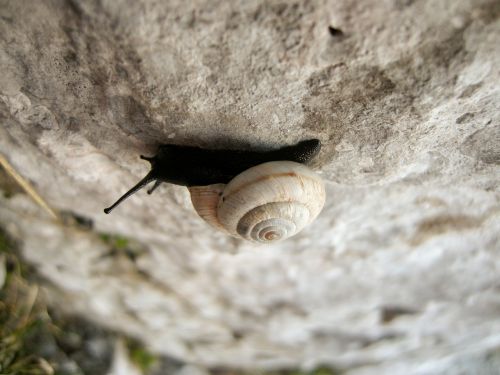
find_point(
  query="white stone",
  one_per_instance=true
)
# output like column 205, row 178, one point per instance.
column 399, row 273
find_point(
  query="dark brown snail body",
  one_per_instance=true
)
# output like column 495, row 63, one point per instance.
column 259, row 196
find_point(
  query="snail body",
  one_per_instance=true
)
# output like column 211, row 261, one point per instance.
column 258, row 196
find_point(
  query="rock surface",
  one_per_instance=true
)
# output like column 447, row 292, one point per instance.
column 401, row 271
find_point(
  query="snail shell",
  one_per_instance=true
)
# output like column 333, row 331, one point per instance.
column 266, row 203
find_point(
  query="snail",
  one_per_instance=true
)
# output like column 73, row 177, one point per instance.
column 259, row 196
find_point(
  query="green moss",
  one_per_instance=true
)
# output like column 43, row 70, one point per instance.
column 120, row 245
column 142, row 358
column 115, row 241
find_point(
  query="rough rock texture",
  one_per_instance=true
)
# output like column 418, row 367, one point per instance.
column 401, row 271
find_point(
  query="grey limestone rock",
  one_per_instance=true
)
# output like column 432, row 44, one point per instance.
column 401, row 271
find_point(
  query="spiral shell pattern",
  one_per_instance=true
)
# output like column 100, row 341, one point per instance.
column 267, row 203
column 271, row 201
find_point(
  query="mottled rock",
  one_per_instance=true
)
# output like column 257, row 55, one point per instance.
column 399, row 274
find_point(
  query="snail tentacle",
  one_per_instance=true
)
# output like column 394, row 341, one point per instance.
column 153, row 188
column 141, row 184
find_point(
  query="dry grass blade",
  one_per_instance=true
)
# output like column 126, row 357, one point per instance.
column 20, row 313
column 30, row 190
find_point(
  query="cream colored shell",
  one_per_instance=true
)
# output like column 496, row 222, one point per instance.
column 266, row 203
